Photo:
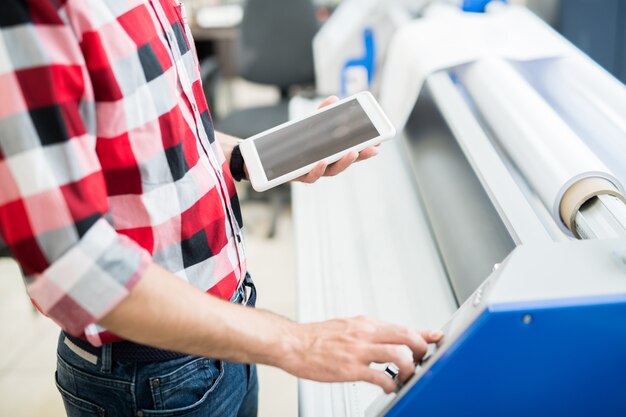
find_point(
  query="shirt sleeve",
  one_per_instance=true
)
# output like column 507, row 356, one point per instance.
column 53, row 197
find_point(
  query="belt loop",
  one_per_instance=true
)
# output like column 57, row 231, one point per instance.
column 105, row 358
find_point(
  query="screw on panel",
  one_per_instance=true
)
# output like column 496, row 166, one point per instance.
column 527, row 319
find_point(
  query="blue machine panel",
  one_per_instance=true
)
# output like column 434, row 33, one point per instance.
column 565, row 359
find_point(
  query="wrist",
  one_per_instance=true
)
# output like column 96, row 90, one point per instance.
column 287, row 350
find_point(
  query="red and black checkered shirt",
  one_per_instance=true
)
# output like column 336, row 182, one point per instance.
column 108, row 158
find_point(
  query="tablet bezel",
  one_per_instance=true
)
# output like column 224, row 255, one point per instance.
column 370, row 106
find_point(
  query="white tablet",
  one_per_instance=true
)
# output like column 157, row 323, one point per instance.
column 292, row 149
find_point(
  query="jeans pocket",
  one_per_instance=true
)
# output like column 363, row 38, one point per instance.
column 186, row 389
column 75, row 406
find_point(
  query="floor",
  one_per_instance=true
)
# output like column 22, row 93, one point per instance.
column 27, row 345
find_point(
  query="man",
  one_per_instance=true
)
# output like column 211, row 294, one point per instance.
column 118, row 201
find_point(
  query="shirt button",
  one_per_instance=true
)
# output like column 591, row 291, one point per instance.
column 156, row 382
column 139, row 413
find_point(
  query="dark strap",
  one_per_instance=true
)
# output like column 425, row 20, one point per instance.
column 127, row 351
column 236, row 164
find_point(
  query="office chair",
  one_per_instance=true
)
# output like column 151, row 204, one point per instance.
column 275, row 47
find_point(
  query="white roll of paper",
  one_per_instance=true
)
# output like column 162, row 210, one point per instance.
column 545, row 149
column 589, row 100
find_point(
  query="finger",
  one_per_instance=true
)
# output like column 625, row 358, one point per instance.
column 327, row 101
column 379, row 378
column 399, row 355
column 400, row 335
column 341, row 165
column 367, row 153
column 432, row 336
column 314, row 174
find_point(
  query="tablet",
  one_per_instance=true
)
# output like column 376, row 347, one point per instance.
column 292, row 149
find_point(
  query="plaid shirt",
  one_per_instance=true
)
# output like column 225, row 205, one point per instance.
column 108, row 159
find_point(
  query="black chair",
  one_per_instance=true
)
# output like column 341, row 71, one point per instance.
column 275, row 47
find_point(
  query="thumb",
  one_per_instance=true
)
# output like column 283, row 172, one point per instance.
column 328, row 101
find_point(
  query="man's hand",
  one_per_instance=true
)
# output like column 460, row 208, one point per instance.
column 324, row 170
column 165, row 312
column 342, row 350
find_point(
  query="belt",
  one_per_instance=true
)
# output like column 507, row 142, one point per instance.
column 134, row 352
column 127, row 351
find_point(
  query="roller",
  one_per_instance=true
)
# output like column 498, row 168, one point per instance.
column 575, row 86
column 580, row 193
column 555, row 162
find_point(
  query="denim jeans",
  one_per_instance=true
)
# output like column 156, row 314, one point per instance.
column 188, row 386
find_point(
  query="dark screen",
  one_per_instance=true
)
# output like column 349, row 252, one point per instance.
column 314, row 139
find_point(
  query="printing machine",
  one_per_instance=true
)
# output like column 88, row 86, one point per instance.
column 452, row 227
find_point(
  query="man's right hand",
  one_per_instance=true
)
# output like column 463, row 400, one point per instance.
column 165, row 312
column 342, row 350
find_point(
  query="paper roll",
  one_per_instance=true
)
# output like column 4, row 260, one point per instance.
column 581, row 192
column 590, row 101
column 479, row 47
column 548, row 153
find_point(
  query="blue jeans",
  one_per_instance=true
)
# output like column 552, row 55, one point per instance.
column 188, row 386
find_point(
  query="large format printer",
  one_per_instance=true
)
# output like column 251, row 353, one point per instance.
column 497, row 214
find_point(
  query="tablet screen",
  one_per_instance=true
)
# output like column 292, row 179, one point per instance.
column 315, row 138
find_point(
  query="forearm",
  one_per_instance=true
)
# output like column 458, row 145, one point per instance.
column 165, row 312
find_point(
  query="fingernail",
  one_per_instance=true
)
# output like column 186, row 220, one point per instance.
column 436, row 334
